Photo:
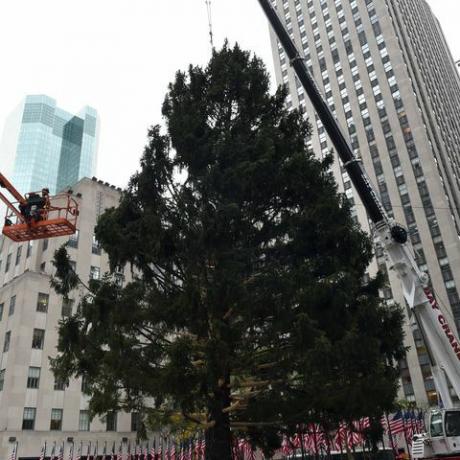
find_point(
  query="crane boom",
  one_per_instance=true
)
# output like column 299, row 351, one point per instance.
column 440, row 338
column 350, row 162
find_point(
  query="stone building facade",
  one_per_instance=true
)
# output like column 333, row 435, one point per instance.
column 34, row 407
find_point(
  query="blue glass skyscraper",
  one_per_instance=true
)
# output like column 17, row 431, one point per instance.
column 54, row 148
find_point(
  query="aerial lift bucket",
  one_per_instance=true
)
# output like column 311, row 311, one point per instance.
column 57, row 218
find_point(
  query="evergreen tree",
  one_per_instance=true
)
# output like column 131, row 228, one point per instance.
column 247, row 310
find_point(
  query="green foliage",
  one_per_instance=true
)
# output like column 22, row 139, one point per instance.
column 65, row 279
column 247, row 306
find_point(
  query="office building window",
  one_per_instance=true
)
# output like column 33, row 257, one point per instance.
column 73, row 240
column 29, row 249
column 8, row 263
column 42, row 302
column 67, row 305
column 28, row 419
column 33, row 378
column 83, row 421
column 111, row 421
column 45, row 245
column 56, row 420
column 2, row 379
column 135, row 421
column 95, row 248
column 18, row 255
column 6, row 343
column 12, row 305
column 38, row 339
column 59, row 385
column 85, row 389
column 94, row 273
column 2, row 305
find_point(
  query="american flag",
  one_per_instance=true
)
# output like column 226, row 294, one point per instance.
column 160, row 449
column 61, row 452
column 396, row 423
column 112, row 454
column 203, row 448
column 234, row 448
column 409, row 426
column 53, row 452
column 383, row 423
column 43, row 452
column 197, row 449
column 166, row 449
column 14, row 452
column 286, row 446
column 120, row 452
column 128, row 456
column 172, row 454
column 104, row 452
column 79, row 451
column 248, row 451
column 354, row 433
column 364, row 423
column 153, row 452
column 420, row 422
column 296, row 441
column 190, row 450
column 340, row 437
column 315, row 437
column 71, row 451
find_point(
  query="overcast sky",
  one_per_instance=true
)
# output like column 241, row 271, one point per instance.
column 119, row 55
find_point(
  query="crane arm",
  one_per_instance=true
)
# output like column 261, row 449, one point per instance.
column 441, row 340
column 6, row 184
column 343, row 148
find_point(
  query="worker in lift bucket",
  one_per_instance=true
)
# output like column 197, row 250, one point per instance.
column 33, row 209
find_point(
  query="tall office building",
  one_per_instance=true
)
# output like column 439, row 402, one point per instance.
column 386, row 72
column 34, row 407
column 45, row 146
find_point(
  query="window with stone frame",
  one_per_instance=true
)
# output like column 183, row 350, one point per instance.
column 42, row 302
column 33, row 377
column 28, row 419
column 38, row 339
column 56, row 420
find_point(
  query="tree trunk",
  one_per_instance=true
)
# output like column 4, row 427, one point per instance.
column 219, row 437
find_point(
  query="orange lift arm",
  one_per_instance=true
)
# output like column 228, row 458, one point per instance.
column 6, row 184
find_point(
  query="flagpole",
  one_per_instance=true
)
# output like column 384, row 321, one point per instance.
column 315, row 440
column 301, row 442
column 390, row 435
column 405, row 435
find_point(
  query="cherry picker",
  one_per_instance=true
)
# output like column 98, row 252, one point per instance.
column 37, row 215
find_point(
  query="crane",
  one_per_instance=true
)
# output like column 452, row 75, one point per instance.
column 37, row 215
column 443, row 436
